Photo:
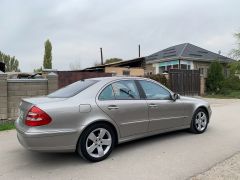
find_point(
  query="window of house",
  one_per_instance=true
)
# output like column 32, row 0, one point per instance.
column 169, row 67
column 161, row 69
column 183, row 66
column 175, row 66
column 126, row 72
column 201, row 71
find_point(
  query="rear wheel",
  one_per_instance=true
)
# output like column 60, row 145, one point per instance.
column 96, row 142
column 199, row 121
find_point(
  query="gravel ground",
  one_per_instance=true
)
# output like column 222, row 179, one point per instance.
column 228, row 169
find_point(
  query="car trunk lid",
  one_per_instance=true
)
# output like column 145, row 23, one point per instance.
column 26, row 104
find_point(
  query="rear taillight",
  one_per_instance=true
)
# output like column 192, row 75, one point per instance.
column 37, row 117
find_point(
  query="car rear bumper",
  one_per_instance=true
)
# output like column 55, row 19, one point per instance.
column 64, row 140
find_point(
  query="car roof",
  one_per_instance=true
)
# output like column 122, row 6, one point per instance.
column 115, row 78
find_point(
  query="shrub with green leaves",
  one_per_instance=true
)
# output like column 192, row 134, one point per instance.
column 215, row 78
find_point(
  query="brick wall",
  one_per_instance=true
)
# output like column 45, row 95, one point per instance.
column 13, row 90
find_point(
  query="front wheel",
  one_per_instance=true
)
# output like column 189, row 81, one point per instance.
column 96, row 142
column 199, row 121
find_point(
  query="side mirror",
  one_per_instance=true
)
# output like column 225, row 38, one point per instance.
column 175, row 96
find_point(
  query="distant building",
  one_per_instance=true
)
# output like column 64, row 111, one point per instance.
column 183, row 56
column 133, row 67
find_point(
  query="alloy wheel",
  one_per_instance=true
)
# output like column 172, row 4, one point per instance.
column 98, row 142
column 201, row 121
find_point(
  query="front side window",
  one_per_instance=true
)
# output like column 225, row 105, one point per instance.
column 125, row 90
column 154, row 91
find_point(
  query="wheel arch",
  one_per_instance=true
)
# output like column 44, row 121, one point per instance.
column 204, row 108
column 113, row 126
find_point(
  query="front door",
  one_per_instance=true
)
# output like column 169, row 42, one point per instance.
column 122, row 103
column 164, row 113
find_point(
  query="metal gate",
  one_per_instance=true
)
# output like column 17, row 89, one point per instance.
column 185, row 82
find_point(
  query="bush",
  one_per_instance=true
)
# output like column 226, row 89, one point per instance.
column 232, row 83
column 215, row 77
column 159, row 78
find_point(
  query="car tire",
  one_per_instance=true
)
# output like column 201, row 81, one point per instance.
column 199, row 121
column 96, row 142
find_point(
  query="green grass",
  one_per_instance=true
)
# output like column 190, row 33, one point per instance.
column 230, row 95
column 7, row 126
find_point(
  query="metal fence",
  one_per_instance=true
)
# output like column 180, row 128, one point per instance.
column 185, row 82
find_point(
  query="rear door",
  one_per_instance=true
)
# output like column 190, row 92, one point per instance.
column 122, row 103
column 164, row 113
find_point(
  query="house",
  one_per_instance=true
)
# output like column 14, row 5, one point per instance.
column 133, row 67
column 183, row 56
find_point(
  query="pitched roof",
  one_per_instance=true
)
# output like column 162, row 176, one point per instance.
column 186, row 51
column 137, row 62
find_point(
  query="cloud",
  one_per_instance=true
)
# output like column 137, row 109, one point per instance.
column 78, row 28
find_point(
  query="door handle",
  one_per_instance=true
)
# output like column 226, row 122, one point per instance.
column 112, row 107
column 152, row 105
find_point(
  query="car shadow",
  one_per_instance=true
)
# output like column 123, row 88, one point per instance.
column 151, row 140
column 55, row 160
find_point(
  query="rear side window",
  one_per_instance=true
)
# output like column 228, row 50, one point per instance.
column 125, row 90
column 107, row 93
column 72, row 89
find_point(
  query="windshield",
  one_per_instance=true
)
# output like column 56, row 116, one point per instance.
column 72, row 89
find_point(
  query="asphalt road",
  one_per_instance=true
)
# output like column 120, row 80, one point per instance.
column 177, row 155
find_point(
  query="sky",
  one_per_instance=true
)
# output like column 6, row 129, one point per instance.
column 78, row 28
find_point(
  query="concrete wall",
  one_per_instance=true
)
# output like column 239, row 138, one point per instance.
column 13, row 90
column 3, row 95
column 119, row 71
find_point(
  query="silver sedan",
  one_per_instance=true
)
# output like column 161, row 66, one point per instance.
column 91, row 116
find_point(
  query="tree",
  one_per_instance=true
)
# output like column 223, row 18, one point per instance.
column 235, row 53
column 47, row 61
column 11, row 63
column 215, row 77
column 234, row 68
column 112, row 60
column 38, row 70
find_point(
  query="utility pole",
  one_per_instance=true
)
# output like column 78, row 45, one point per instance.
column 101, row 56
column 139, row 51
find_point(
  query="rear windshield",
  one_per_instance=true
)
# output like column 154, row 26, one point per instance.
column 72, row 89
